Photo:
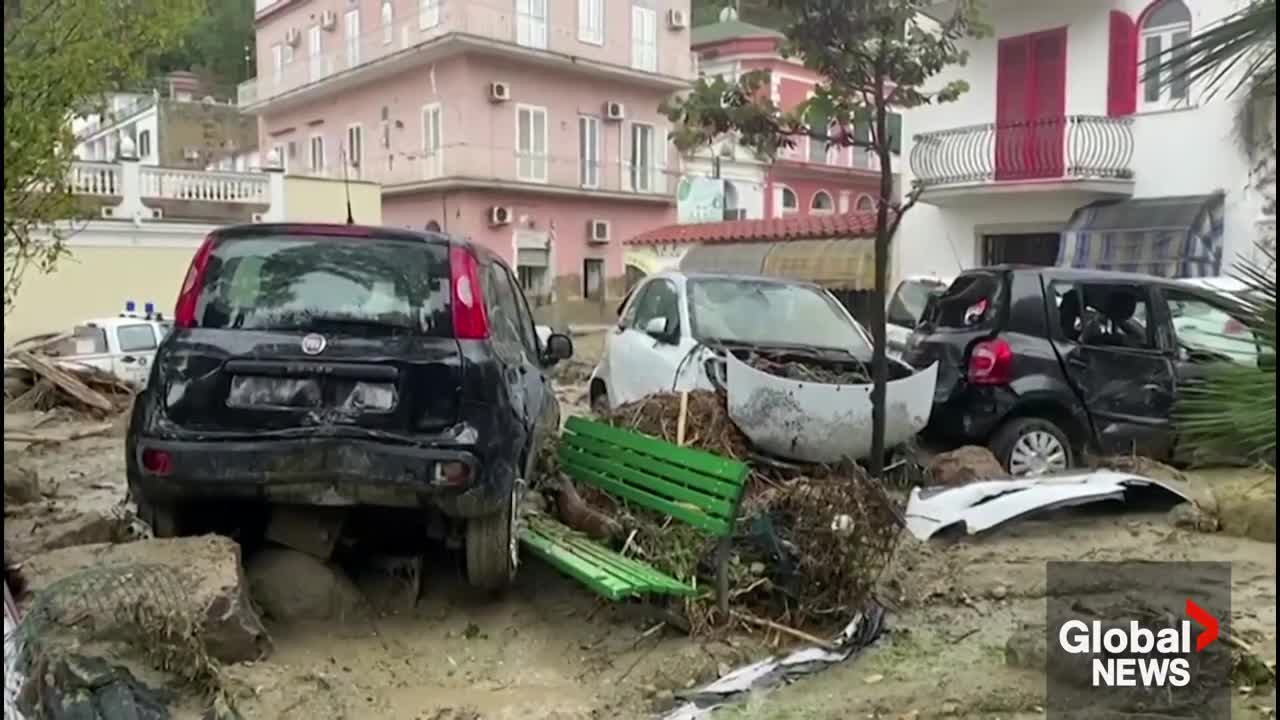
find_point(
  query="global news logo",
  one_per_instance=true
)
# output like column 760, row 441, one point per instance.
column 1139, row 656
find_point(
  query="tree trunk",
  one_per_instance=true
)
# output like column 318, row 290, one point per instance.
column 879, row 360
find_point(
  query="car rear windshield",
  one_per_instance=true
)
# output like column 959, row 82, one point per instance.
column 744, row 310
column 971, row 302
column 301, row 282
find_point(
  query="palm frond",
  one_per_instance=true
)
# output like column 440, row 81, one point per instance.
column 1243, row 45
column 1232, row 412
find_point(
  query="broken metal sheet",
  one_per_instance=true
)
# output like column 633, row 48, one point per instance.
column 981, row 506
column 865, row 627
column 822, row 423
column 13, row 649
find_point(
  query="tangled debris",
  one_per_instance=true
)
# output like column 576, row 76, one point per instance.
column 810, row 542
column 38, row 383
column 793, row 367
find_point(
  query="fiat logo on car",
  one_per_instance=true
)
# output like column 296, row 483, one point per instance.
column 313, row 344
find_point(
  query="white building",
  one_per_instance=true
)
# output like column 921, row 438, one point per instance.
column 1058, row 117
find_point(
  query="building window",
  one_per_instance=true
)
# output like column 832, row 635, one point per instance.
column 316, row 152
column 589, row 151
column 355, row 148
column 278, row 150
column 821, row 203
column 531, row 143
column 643, row 168
column 788, row 200
column 865, row 203
column 591, row 21
column 428, row 14
column 644, row 38
column 144, row 144
column 388, row 22
column 531, row 23
column 277, row 62
column 1164, row 26
column 593, row 279
column 432, row 142
column 315, row 61
column 288, row 53
column 351, row 30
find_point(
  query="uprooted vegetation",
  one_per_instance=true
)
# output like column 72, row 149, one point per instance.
column 809, row 544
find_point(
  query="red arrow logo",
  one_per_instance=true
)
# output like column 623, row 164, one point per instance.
column 1204, row 620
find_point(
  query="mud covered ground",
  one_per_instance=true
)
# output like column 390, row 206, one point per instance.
column 550, row 651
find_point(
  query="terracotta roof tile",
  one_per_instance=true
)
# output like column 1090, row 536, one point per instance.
column 795, row 227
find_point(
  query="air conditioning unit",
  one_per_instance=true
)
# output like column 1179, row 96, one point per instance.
column 598, row 231
column 499, row 92
column 499, row 215
column 677, row 19
column 615, row 110
column 328, row 19
column 293, row 37
column 191, row 153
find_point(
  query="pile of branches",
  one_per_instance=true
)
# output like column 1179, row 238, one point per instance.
column 810, row 541
column 38, row 382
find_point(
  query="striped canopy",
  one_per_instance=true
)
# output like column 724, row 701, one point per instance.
column 1174, row 237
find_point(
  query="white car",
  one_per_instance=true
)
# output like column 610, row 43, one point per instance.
column 1201, row 326
column 667, row 321
column 124, row 346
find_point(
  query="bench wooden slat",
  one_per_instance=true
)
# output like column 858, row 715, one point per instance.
column 706, row 463
column 599, row 457
column 703, row 485
column 608, row 573
column 693, row 516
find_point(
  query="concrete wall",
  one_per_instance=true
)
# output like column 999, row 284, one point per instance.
column 310, row 199
column 1185, row 150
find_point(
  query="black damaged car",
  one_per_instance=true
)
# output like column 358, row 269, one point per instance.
column 351, row 366
column 1043, row 365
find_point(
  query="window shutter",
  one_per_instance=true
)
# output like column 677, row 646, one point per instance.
column 1122, row 66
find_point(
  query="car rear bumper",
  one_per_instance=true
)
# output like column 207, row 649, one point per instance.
column 971, row 414
column 321, row 471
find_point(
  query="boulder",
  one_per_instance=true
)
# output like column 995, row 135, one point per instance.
column 970, row 463
column 196, row 581
column 21, row 485
column 290, row 585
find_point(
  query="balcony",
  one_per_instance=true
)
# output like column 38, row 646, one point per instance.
column 463, row 166
column 1088, row 154
column 455, row 26
column 129, row 191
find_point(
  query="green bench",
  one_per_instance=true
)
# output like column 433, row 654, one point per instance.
column 691, row 486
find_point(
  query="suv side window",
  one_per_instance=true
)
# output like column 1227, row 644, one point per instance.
column 524, row 318
column 503, row 323
column 659, row 299
column 1110, row 315
column 1203, row 328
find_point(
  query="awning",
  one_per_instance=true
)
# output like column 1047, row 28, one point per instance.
column 1168, row 236
column 838, row 264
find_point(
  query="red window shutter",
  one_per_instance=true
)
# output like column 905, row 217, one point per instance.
column 1122, row 66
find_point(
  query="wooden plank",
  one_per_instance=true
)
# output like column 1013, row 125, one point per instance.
column 709, row 523
column 704, row 462
column 590, row 575
column 642, row 480
column 65, row 381
column 704, row 484
column 591, row 561
column 643, row 574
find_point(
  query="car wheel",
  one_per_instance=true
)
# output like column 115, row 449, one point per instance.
column 493, row 547
column 1029, row 447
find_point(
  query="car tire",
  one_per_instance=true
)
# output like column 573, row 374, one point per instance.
column 492, row 548
column 1030, row 446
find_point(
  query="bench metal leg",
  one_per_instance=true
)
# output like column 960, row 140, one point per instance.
column 722, row 577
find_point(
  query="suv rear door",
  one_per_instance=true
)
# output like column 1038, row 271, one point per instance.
column 1118, row 361
column 969, row 310
column 291, row 327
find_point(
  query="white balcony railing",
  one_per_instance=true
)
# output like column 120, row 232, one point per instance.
column 92, row 178
column 229, row 187
column 463, row 162
column 486, row 19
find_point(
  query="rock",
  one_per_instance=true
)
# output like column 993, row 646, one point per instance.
column 1190, row 516
column 82, row 687
column 999, row 592
column 197, row 579
column 962, row 466
column 1026, row 648
column 28, row 536
column 21, row 485
column 290, row 585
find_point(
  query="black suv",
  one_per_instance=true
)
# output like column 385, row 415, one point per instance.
column 347, row 365
column 1042, row 364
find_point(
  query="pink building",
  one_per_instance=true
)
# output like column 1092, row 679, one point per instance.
column 530, row 126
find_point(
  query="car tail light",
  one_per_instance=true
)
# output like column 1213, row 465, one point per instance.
column 990, row 362
column 470, row 322
column 452, row 474
column 1233, row 327
column 157, row 462
column 184, row 313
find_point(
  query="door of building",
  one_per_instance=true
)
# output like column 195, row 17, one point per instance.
column 1031, row 93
